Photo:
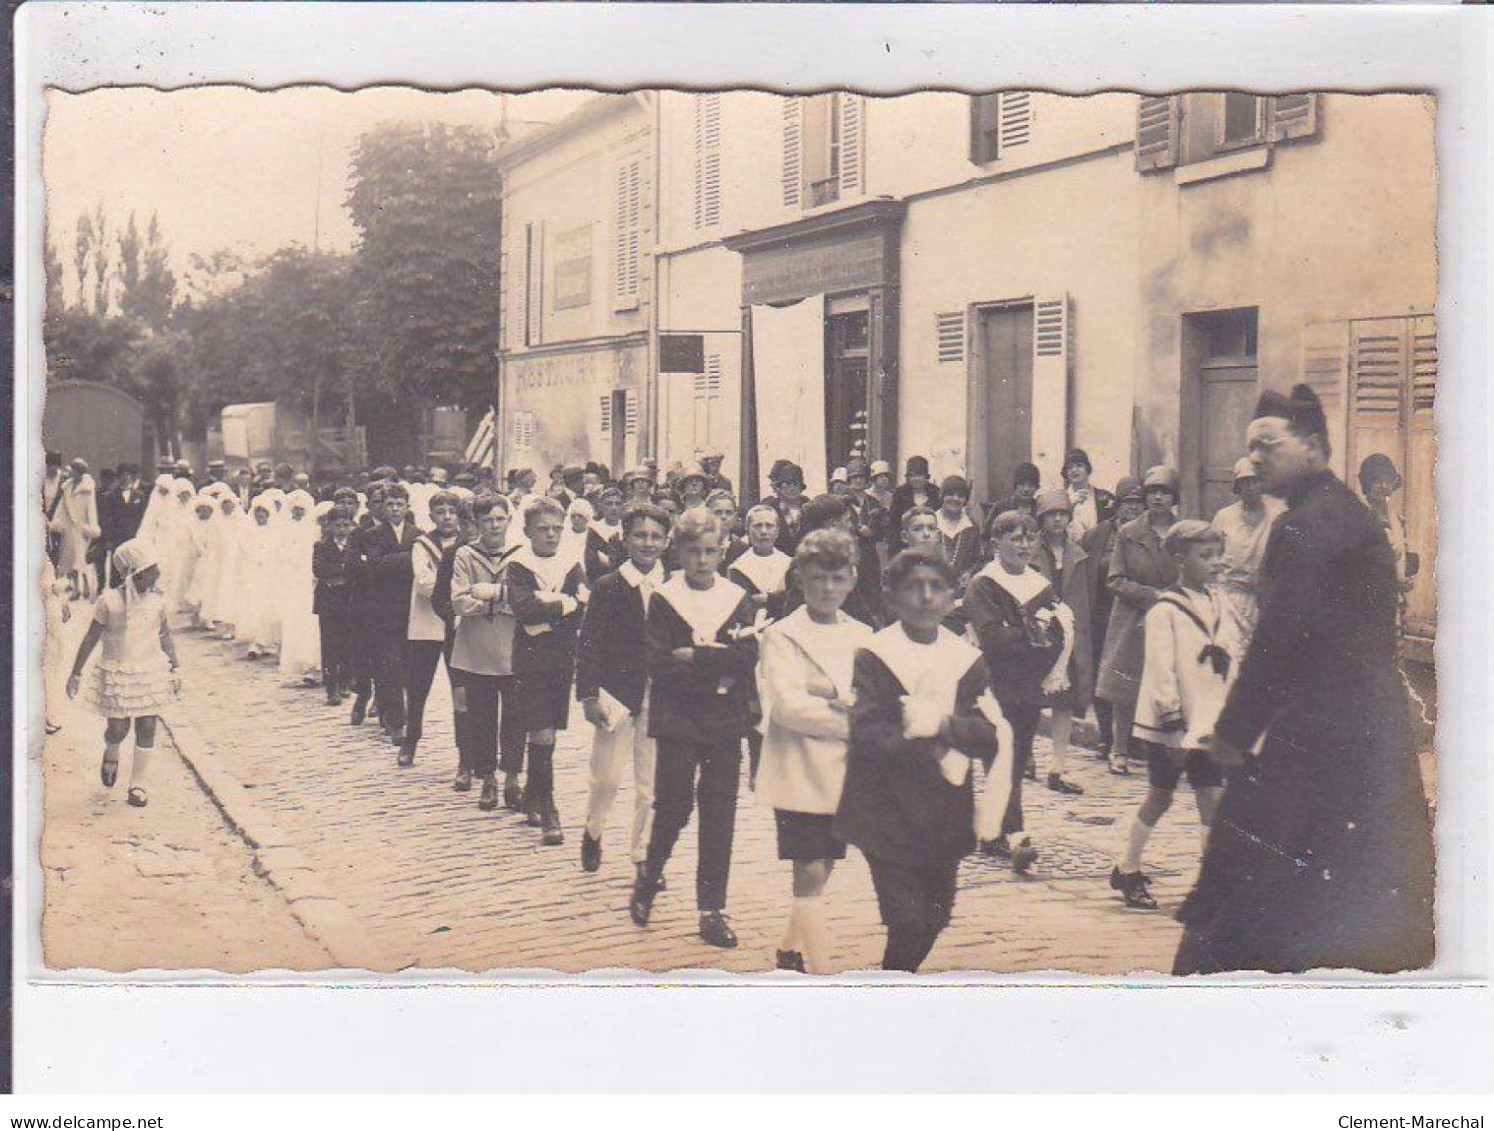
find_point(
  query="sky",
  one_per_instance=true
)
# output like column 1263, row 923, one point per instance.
column 232, row 168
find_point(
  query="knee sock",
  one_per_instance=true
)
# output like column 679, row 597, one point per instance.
column 141, row 765
column 542, row 772
column 1136, row 838
column 814, row 940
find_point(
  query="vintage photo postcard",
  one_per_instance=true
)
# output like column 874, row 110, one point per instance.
column 821, row 533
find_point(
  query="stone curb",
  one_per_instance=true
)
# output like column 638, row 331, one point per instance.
column 325, row 918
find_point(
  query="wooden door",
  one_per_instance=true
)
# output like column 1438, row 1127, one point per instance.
column 1227, row 395
column 1004, row 359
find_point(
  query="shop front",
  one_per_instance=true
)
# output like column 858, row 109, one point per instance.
column 819, row 342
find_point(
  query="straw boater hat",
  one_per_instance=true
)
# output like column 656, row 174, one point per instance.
column 880, row 467
column 692, row 470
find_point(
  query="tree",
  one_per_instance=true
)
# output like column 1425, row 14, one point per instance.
column 83, row 254
column 101, row 274
column 147, row 284
column 426, row 201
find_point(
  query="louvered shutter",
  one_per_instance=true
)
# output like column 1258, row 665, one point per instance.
column 852, row 108
column 1420, row 495
column 1158, row 126
column 707, row 160
column 984, row 119
column 1293, row 116
column 1325, row 369
column 713, row 375
column 949, row 334
column 604, row 418
column 511, row 290
column 1016, row 121
column 1052, row 358
column 627, row 238
column 630, row 413
column 793, row 152
column 534, row 283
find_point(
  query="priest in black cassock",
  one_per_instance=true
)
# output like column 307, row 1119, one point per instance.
column 1321, row 853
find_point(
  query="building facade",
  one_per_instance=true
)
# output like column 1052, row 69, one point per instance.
column 578, row 287
column 990, row 280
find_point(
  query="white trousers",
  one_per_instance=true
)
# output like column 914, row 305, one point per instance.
column 609, row 755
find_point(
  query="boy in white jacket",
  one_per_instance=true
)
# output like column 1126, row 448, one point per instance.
column 1191, row 655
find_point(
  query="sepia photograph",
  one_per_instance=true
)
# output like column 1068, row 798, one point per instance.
column 798, row 533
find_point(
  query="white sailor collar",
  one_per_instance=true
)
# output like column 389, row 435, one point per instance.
column 1022, row 587
column 953, row 530
column 635, row 576
column 766, row 571
column 550, row 572
column 706, row 611
column 947, row 659
column 806, row 635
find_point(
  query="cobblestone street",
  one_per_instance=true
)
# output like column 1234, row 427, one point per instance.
column 170, row 886
column 428, row 881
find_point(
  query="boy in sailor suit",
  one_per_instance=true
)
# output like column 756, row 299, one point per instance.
column 546, row 592
column 701, row 659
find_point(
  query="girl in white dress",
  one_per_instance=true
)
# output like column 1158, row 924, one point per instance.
column 136, row 676
column 177, row 551
column 256, row 615
column 225, row 603
column 200, row 536
column 300, row 632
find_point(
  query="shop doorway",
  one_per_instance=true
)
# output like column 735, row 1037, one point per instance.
column 847, row 353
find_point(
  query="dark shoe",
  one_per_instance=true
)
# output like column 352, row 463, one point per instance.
column 1030, row 770
column 998, row 849
column 591, row 853
column 791, row 960
column 373, row 710
column 550, row 822
column 1057, row 784
column 360, row 711
column 406, row 754
column 534, row 815
column 1133, row 887
column 660, row 884
column 1102, row 750
column 109, row 770
column 1024, row 856
column 1119, row 766
column 641, row 905
column 513, row 797
column 489, row 799
column 136, row 797
column 463, row 783
column 716, row 931
column 333, row 699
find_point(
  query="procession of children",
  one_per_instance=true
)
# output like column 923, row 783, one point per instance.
column 882, row 660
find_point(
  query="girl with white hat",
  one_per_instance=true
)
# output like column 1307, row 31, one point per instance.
column 136, row 676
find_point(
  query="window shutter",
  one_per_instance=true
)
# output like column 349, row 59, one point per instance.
column 1325, row 369
column 949, row 331
column 707, row 160
column 852, row 144
column 1423, row 369
column 984, row 122
column 627, row 237
column 1052, row 361
column 630, row 413
column 604, row 421
column 511, row 290
column 534, row 283
column 1016, row 121
column 793, row 151
column 1293, row 116
column 713, row 375
column 1158, row 126
column 1379, row 368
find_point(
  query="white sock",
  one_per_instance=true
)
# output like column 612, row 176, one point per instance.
column 810, row 911
column 793, row 932
column 1203, row 838
column 1136, row 838
column 141, row 765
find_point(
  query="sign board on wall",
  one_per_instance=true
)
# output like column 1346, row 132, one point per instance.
column 681, row 353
